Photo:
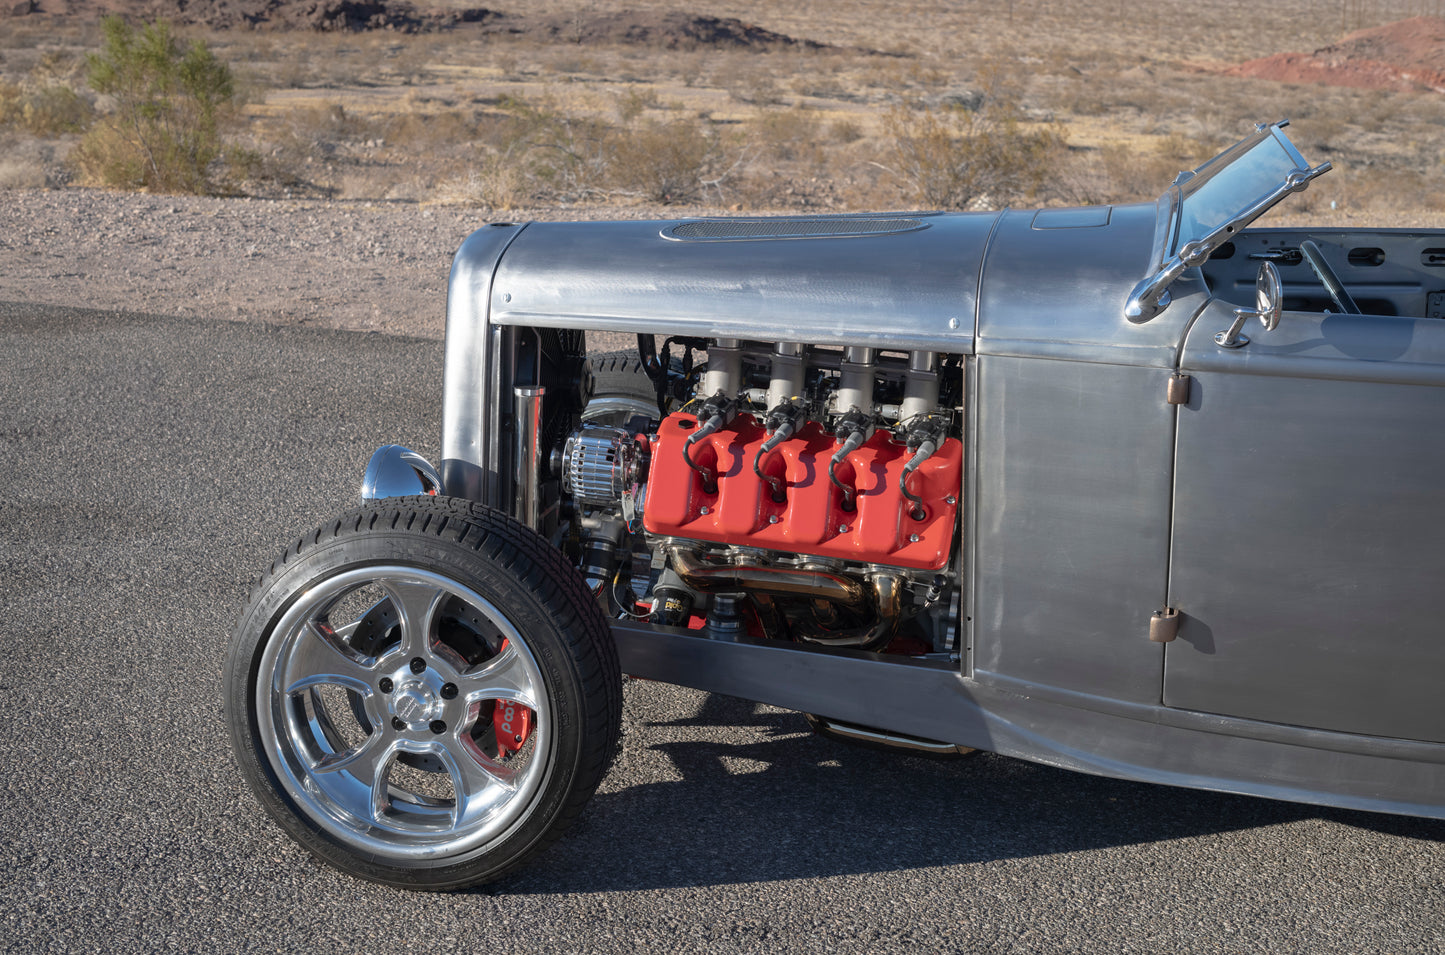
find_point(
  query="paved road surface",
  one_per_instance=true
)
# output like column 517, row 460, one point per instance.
column 149, row 467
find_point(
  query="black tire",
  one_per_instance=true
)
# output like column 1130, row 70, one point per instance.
column 451, row 621
column 617, row 388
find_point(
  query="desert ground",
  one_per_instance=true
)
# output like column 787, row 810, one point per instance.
column 369, row 138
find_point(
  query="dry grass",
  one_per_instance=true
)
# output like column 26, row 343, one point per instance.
column 504, row 122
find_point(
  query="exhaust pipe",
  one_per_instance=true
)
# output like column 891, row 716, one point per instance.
column 883, row 599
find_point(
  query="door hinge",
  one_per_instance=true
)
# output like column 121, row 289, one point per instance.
column 1179, row 390
column 1164, row 625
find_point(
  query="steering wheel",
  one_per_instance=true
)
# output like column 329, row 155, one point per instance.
column 1328, row 278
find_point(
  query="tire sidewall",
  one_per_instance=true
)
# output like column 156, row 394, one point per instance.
column 491, row 579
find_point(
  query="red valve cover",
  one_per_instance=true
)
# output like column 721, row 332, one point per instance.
column 812, row 519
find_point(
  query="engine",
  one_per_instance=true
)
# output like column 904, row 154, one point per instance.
column 796, row 492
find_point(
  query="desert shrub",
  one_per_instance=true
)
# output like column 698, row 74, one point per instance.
column 845, row 131
column 551, row 152
column 756, row 88
column 539, row 150
column 11, row 96
column 430, row 131
column 634, row 103
column 973, row 146
column 44, row 103
column 670, row 161
column 54, row 109
column 952, row 157
column 789, row 135
column 28, row 162
column 318, row 132
column 169, row 102
column 497, row 181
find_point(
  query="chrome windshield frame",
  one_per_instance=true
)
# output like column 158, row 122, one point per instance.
column 1151, row 295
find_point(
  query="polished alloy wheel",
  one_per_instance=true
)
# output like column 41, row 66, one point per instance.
column 423, row 692
column 380, row 702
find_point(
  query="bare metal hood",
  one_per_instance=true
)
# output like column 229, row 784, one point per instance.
column 900, row 280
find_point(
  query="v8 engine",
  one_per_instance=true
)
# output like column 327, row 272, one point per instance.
column 799, row 492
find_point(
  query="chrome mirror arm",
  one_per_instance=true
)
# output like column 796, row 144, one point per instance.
column 1231, row 337
column 1268, row 303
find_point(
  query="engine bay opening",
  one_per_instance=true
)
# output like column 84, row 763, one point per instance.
column 771, row 489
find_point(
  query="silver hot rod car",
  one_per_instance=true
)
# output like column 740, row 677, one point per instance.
column 1134, row 490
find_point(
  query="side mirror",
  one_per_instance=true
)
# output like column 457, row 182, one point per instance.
column 1268, row 303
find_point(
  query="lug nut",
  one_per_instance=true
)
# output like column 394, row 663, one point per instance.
column 418, row 665
column 438, row 726
column 397, row 724
column 384, row 684
column 449, row 692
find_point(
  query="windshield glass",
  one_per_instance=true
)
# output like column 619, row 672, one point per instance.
column 1229, row 184
column 1203, row 209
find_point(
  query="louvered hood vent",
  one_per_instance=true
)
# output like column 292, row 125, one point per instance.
column 814, row 227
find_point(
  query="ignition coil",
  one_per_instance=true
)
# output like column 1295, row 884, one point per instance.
column 715, row 414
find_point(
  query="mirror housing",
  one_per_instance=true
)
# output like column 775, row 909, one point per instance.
column 1268, row 303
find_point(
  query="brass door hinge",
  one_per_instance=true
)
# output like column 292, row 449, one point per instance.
column 1178, row 393
column 1164, row 625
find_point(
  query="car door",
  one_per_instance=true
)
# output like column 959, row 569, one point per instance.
column 1307, row 556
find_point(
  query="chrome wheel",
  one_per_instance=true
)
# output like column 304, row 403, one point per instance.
column 423, row 693
column 355, row 728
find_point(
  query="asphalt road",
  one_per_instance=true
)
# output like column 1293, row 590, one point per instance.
column 149, row 467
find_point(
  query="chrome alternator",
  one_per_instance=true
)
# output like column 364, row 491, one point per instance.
column 601, row 465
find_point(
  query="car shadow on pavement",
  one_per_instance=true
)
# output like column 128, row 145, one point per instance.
column 792, row 805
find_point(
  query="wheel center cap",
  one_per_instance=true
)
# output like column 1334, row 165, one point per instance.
column 415, row 703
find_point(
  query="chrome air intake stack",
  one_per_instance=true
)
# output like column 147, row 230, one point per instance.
column 855, row 382
column 787, row 376
column 920, row 395
column 724, row 368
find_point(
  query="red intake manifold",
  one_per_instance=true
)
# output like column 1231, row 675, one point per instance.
column 811, row 519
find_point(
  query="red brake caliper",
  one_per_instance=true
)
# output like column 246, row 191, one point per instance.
column 512, row 723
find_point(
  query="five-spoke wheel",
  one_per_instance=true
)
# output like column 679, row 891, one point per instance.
column 426, row 697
